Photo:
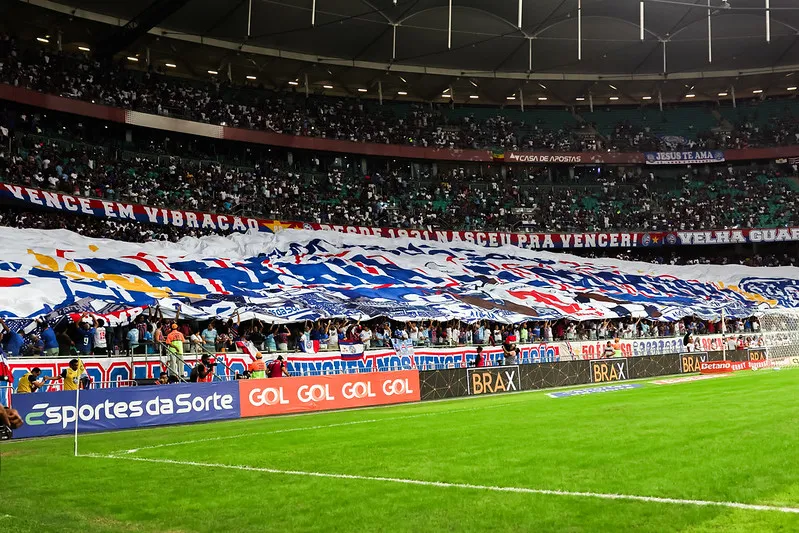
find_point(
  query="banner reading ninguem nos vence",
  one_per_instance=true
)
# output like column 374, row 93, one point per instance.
column 683, row 158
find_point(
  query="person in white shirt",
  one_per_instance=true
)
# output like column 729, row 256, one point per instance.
column 332, row 333
column 366, row 337
column 414, row 336
column 100, row 342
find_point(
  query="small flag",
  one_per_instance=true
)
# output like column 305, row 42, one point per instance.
column 498, row 155
column 351, row 351
column 571, row 350
column 309, row 346
column 247, row 347
column 5, row 370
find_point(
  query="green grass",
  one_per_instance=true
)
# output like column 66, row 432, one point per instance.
column 730, row 439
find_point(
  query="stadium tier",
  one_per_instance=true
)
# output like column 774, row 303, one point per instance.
column 80, row 76
column 299, row 223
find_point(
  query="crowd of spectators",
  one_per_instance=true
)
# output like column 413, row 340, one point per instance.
column 153, row 334
column 459, row 198
column 220, row 102
column 83, row 77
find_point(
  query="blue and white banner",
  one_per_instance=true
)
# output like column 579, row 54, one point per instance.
column 53, row 413
column 299, row 275
column 403, row 348
column 683, row 158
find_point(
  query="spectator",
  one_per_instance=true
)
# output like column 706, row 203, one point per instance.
column 203, row 371
column 283, row 337
column 277, row 368
column 209, row 336
column 13, row 342
column 175, row 341
column 99, row 340
column 31, row 381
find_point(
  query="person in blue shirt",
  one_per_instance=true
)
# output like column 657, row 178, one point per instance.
column 85, row 338
column 49, row 339
column 13, row 340
column 133, row 340
column 148, row 341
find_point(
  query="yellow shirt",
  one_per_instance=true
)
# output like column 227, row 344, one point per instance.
column 72, row 377
column 24, row 386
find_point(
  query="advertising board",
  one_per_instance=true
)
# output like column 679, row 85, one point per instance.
column 261, row 397
column 491, row 380
column 54, row 413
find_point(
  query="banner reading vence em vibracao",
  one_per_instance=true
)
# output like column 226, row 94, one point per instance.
column 542, row 241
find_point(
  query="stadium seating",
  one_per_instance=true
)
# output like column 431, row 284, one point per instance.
column 83, row 77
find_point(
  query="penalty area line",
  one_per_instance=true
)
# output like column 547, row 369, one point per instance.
column 467, row 486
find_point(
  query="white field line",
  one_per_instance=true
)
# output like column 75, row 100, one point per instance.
column 424, row 403
column 308, row 428
column 443, row 484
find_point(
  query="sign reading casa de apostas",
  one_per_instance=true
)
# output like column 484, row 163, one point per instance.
column 683, row 158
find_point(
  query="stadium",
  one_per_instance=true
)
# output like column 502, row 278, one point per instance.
column 399, row 265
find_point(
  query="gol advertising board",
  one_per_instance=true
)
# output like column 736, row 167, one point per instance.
column 261, row 397
column 54, row 413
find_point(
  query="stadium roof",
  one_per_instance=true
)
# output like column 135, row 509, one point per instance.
column 563, row 49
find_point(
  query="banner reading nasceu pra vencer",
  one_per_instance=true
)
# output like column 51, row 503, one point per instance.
column 262, row 397
column 113, row 210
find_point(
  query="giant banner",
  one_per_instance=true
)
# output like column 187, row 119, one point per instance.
column 122, row 211
column 54, row 413
column 296, row 276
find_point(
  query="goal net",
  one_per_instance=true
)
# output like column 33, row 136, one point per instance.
column 780, row 335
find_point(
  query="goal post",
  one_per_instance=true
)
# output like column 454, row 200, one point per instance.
column 779, row 331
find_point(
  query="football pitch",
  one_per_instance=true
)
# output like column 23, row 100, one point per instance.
column 713, row 455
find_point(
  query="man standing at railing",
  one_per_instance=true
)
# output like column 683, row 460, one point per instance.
column 49, row 340
column 85, row 338
column 209, row 337
column 175, row 340
column 100, row 341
